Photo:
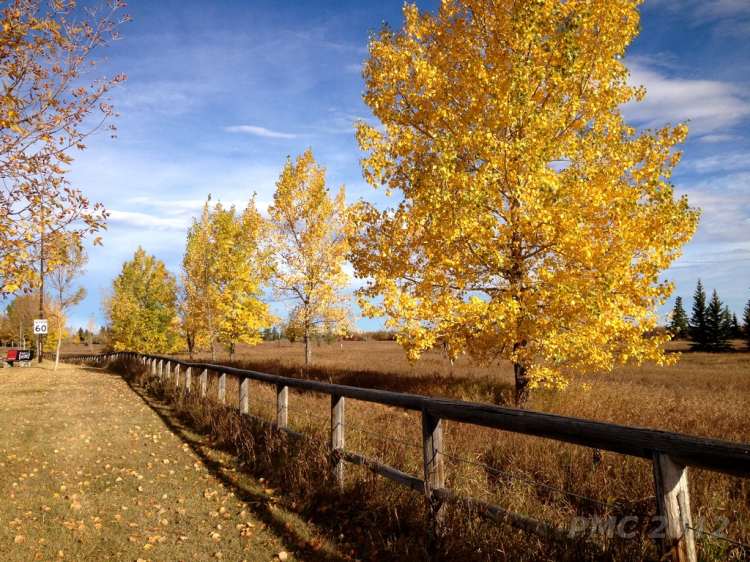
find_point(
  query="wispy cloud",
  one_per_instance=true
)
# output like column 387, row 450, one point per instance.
column 711, row 106
column 260, row 132
column 722, row 163
column 148, row 222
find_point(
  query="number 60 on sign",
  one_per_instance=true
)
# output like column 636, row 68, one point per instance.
column 40, row 326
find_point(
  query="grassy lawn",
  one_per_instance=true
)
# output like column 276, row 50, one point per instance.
column 90, row 470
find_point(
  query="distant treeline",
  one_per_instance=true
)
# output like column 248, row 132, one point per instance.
column 711, row 324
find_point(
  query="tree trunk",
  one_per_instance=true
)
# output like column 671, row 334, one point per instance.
column 59, row 343
column 231, row 351
column 522, row 384
column 308, row 349
column 40, row 337
column 191, row 344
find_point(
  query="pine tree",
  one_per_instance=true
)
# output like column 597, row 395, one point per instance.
column 679, row 326
column 746, row 322
column 698, row 332
column 736, row 330
column 718, row 325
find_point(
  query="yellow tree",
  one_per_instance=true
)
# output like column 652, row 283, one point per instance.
column 21, row 312
column 309, row 240
column 63, row 281
column 534, row 222
column 223, row 273
column 140, row 310
column 46, row 52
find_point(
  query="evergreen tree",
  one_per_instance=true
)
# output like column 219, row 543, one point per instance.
column 736, row 330
column 697, row 324
column 746, row 327
column 679, row 326
column 718, row 325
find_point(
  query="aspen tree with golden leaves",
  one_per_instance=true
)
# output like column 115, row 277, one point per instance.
column 223, row 272
column 308, row 236
column 47, row 52
column 140, row 310
column 533, row 223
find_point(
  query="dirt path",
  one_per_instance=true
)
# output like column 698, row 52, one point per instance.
column 89, row 470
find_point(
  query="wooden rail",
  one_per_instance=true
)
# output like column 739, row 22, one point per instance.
column 671, row 453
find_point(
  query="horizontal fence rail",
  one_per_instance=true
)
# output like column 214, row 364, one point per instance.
column 671, row 453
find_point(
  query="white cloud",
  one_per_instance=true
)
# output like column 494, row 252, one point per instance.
column 711, row 106
column 720, row 138
column 731, row 12
column 148, row 222
column 725, row 213
column 723, row 163
column 260, row 132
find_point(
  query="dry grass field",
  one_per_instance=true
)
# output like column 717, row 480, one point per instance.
column 704, row 394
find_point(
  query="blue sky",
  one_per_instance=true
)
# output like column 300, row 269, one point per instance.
column 219, row 94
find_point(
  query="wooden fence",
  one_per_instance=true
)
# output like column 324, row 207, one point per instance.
column 671, row 453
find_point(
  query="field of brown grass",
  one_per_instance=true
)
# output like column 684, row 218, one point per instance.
column 704, row 394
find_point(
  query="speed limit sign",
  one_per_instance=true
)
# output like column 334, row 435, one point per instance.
column 40, row 326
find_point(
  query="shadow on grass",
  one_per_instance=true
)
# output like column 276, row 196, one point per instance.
column 271, row 517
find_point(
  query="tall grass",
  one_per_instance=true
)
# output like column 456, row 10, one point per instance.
column 704, row 394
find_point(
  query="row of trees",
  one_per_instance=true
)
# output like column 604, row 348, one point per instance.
column 531, row 222
column 711, row 324
column 231, row 259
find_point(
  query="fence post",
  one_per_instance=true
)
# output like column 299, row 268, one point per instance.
column 188, row 379
column 222, row 387
column 153, row 367
column 204, row 382
column 244, row 396
column 168, row 371
column 282, row 408
column 434, row 468
column 177, row 375
column 673, row 506
column 161, row 369
column 337, row 438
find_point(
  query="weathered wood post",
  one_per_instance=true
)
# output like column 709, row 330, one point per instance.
column 188, row 379
column 167, row 371
column 204, row 382
column 434, row 468
column 337, row 438
column 222, row 390
column 153, row 367
column 673, row 505
column 161, row 369
column 177, row 375
column 245, row 396
column 282, row 408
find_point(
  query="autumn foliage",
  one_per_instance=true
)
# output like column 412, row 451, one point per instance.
column 533, row 222
column 224, row 270
column 140, row 308
column 308, row 240
column 47, row 52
